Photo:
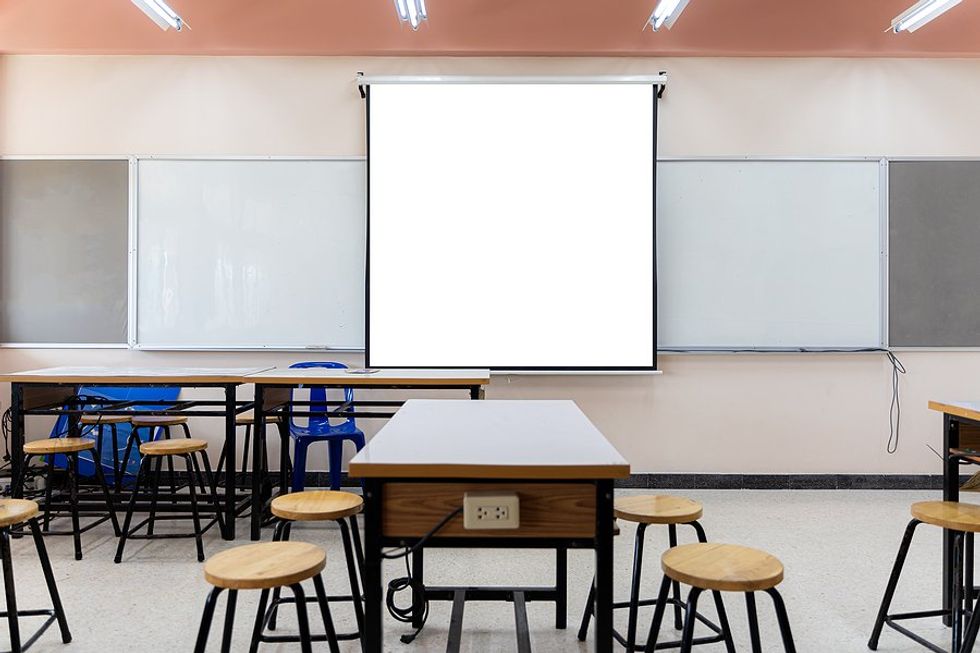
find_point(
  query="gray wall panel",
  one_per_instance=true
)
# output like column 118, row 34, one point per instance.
column 63, row 251
column 934, row 253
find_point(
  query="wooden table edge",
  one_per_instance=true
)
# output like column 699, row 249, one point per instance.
column 123, row 380
column 950, row 409
column 356, row 380
column 488, row 472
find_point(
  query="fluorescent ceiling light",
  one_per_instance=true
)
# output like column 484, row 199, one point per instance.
column 921, row 13
column 411, row 12
column 160, row 13
column 665, row 13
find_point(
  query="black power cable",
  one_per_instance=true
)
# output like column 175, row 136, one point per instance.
column 895, row 409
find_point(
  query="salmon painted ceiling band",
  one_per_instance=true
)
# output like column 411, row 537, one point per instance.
column 727, row 28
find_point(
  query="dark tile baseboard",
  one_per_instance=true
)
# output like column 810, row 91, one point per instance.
column 785, row 481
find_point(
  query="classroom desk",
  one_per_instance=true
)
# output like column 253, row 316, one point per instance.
column 416, row 469
column 961, row 428
column 51, row 391
column 273, row 392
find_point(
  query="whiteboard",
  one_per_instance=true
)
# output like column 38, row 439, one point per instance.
column 769, row 254
column 250, row 253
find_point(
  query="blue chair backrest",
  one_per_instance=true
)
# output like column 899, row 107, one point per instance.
column 318, row 396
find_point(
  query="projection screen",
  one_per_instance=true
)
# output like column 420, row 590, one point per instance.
column 511, row 224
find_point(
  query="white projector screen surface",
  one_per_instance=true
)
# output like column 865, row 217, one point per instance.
column 511, row 226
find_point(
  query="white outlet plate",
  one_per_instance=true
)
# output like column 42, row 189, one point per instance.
column 491, row 510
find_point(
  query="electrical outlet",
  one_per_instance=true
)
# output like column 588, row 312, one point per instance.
column 491, row 510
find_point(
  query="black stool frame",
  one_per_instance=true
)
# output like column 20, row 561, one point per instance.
column 956, row 613
column 195, row 478
column 722, row 631
column 134, row 442
column 55, row 613
column 265, row 617
column 687, row 637
column 51, row 508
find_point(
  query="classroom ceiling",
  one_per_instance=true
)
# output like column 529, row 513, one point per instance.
column 825, row 28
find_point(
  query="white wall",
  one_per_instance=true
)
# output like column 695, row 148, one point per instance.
column 707, row 413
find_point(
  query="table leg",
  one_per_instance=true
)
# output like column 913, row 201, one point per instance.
column 373, row 622
column 604, row 567
column 951, row 492
column 231, row 460
column 258, row 448
column 17, row 436
column 286, row 417
column 477, row 392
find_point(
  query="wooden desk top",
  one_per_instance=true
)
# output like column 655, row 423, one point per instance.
column 964, row 409
column 97, row 375
column 525, row 439
column 326, row 376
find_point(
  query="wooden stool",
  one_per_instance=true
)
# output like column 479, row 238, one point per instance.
column 189, row 449
column 318, row 505
column 721, row 568
column 670, row 511
column 248, row 421
column 962, row 520
column 14, row 512
column 156, row 425
column 69, row 448
column 265, row 566
column 97, row 423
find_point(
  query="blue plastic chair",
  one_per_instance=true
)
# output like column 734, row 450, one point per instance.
column 319, row 429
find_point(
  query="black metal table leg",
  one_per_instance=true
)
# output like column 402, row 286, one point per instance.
column 604, row 567
column 456, row 622
column 258, row 443
column 561, row 588
column 373, row 623
column 951, row 492
column 520, row 618
column 17, row 437
column 228, row 527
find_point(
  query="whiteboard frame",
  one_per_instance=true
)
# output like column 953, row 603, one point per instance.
column 129, row 322
column 659, row 79
column 882, row 256
column 134, row 264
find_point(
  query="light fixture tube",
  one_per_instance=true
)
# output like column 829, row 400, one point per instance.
column 412, row 12
column 921, row 13
column 665, row 13
column 160, row 13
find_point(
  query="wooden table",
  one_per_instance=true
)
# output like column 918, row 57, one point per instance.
column 417, row 468
column 961, row 429
column 53, row 390
column 273, row 393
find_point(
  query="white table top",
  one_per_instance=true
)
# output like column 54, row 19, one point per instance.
column 348, row 378
column 96, row 375
column 525, row 439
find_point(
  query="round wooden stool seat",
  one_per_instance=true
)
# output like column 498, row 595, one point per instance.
column 955, row 516
column 657, row 509
column 58, row 445
column 173, row 447
column 95, row 419
column 15, row 511
column 317, row 505
column 265, row 565
column 246, row 419
column 158, row 420
column 722, row 567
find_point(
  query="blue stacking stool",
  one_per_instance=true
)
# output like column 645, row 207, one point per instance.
column 319, row 429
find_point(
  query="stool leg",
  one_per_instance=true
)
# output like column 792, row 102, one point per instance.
column 170, row 466
column 658, row 615
column 133, row 438
column 886, row 600
column 358, row 550
column 723, row 622
column 971, row 632
column 678, row 612
column 194, row 515
column 42, row 554
column 100, row 478
column 301, row 617
column 206, row 617
column 140, row 474
column 957, row 616
column 10, row 590
column 583, row 629
column 321, row 599
column 48, row 487
column 115, row 454
column 687, row 639
column 561, row 587
column 154, row 490
column 76, row 534
column 753, row 622
column 229, row 621
column 253, row 646
column 245, row 450
column 699, row 529
column 968, row 570
column 355, row 589
column 635, row 585
column 283, row 535
column 784, row 630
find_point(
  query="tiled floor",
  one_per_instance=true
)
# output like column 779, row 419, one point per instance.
column 837, row 546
